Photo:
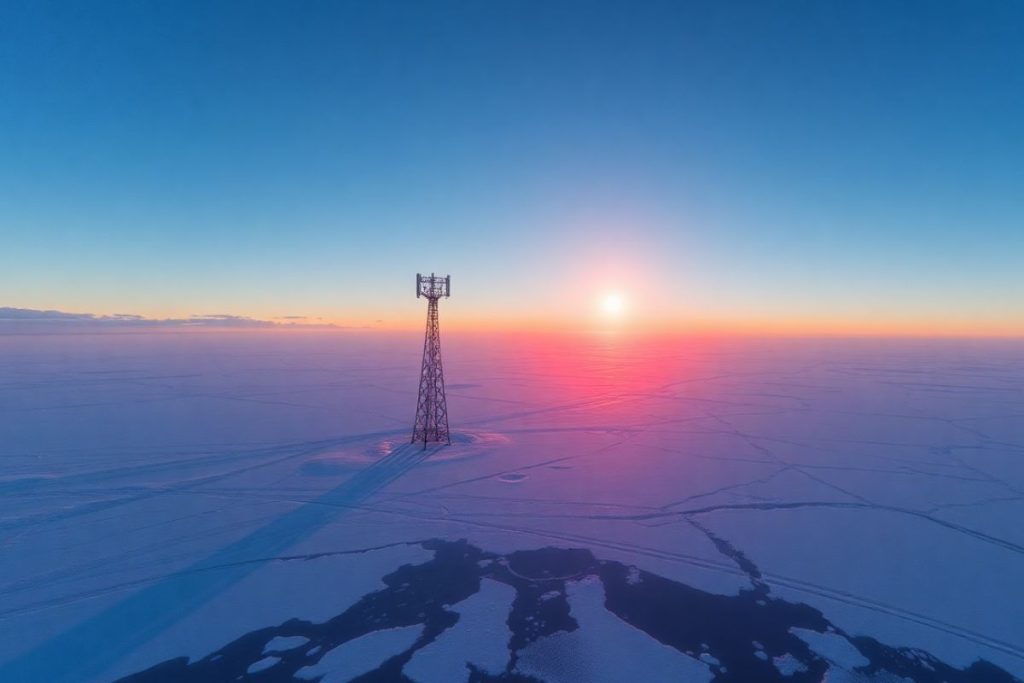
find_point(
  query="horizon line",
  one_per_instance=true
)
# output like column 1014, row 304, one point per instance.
column 53, row 321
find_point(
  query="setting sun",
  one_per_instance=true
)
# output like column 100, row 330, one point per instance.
column 613, row 304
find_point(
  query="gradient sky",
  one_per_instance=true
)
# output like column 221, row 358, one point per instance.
column 808, row 166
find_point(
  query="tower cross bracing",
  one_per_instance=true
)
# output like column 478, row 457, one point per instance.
column 431, row 424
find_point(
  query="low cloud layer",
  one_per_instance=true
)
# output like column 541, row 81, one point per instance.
column 33, row 320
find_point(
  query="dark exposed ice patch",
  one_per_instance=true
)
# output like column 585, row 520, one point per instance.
column 751, row 636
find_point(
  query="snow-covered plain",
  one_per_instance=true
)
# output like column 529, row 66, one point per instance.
column 246, row 503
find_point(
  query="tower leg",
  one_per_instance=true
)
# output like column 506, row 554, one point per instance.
column 431, row 424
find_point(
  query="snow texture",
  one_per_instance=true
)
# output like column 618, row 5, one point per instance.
column 832, row 647
column 262, row 664
column 479, row 638
column 788, row 665
column 169, row 498
column 604, row 649
column 284, row 643
column 361, row 655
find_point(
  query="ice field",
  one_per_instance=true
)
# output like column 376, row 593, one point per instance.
column 245, row 506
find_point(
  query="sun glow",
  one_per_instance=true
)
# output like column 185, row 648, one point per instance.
column 613, row 305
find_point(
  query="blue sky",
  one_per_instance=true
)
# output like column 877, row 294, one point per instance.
column 733, row 164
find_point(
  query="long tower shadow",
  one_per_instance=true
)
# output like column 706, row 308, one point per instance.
column 87, row 649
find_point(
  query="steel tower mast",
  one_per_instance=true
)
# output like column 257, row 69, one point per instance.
column 432, row 410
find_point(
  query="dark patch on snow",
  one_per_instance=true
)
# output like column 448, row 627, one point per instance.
column 736, row 555
column 687, row 619
column 923, row 667
column 723, row 627
column 537, row 575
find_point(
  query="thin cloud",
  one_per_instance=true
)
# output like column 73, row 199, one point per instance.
column 32, row 320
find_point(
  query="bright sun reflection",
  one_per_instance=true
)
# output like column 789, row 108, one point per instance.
column 613, row 304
